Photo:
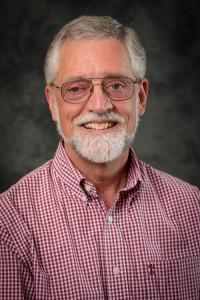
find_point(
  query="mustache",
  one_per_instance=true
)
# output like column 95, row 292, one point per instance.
column 107, row 116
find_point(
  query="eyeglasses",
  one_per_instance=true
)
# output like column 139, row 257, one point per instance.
column 80, row 90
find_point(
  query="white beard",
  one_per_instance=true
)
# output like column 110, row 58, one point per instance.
column 99, row 148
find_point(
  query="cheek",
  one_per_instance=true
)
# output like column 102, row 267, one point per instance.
column 68, row 113
column 128, row 111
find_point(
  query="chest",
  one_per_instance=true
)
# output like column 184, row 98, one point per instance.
column 129, row 252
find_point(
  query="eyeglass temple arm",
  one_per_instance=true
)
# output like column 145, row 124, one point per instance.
column 58, row 87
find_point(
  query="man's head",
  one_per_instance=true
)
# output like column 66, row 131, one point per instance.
column 95, row 88
column 95, row 27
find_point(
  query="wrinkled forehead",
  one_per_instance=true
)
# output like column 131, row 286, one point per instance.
column 77, row 41
column 91, row 53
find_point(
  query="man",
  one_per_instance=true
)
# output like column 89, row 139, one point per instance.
column 94, row 222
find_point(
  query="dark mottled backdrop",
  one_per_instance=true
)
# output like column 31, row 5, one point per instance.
column 168, row 136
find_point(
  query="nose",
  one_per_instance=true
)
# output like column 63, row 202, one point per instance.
column 98, row 101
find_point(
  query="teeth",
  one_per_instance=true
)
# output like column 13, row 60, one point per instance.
column 98, row 126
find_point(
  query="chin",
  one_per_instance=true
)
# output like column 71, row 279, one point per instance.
column 102, row 148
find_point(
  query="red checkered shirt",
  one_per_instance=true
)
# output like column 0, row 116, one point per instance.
column 58, row 240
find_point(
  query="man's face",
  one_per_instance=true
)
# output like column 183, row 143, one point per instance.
column 96, row 59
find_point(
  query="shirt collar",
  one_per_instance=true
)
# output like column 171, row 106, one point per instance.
column 68, row 172
column 134, row 172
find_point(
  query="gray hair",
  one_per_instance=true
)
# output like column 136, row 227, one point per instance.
column 96, row 27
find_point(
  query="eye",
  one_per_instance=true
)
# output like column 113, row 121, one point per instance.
column 116, row 86
column 74, row 89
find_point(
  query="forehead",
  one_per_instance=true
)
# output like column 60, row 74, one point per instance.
column 93, row 58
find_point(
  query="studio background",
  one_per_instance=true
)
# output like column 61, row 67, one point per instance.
column 168, row 135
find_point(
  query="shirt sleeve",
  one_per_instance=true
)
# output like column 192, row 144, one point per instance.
column 16, row 282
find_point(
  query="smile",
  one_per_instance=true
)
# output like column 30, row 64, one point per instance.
column 99, row 126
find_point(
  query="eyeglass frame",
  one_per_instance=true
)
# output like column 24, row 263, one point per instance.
column 93, row 84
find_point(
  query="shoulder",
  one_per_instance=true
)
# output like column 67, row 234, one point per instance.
column 17, row 205
column 28, row 184
column 36, row 177
column 171, row 198
column 18, row 202
column 167, row 185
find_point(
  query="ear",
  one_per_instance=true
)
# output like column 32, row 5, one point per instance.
column 143, row 91
column 51, row 102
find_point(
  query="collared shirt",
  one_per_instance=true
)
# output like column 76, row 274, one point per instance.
column 58, row 240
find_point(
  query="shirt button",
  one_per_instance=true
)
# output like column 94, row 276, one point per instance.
column 84, row 199
column 116, row 271
column 110, row 219
column 88, row 188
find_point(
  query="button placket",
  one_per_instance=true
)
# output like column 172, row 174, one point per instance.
column 115, row 256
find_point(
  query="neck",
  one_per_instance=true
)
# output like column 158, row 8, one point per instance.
column 108, row 178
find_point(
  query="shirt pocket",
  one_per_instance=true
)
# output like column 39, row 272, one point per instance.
column 177, row 278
